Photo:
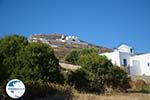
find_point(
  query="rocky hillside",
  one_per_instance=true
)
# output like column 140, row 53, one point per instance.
column 62, row 44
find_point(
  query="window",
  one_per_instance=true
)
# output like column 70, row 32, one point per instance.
column 148, row 64
column 131, row 50
column 124, row 62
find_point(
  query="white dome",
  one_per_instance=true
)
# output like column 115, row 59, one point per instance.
column 125, row 48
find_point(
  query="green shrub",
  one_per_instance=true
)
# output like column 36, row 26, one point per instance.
column 72, row 57
column 92, row 76
column 97, row 73
column 9, row 47
column 120, row 79
column 89, row 51
column 97, row 70
column 77, row 79
column 37, row 62
column 145, row 89
column 27, row 61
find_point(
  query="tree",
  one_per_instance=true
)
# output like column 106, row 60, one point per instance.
column 97, row 70
column 38, row 62
column 86, row 51
column 73, row 56
column 97, row 73
column 120, row 79
column 9, row 46
column 78, row 80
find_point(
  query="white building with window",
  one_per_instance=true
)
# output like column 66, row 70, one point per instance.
column 124, row 56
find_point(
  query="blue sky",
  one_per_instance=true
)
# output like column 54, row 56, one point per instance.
column 102, row 22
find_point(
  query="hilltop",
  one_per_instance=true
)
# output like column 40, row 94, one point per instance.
column 62, row 44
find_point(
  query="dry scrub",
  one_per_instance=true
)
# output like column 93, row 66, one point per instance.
column 118, row 96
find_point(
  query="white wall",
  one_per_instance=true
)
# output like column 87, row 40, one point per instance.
column 138, row 64
column 117, row 57
column 141, row 65
column 135, row 68
column 113, row 56
column 125, row 55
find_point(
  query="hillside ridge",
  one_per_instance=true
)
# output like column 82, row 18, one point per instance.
column 62, row 44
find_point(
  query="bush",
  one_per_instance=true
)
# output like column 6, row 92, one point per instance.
column 93, row 74
column 27, row 61
column 37, row 62
column 97, row 73
column 9, row 47
column 77, row 79
column 72, row 57
column 145, row 89
column 97, row 70
column 89, row 51
column 120, row 79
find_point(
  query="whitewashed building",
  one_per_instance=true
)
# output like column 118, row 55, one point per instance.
column 125, row 57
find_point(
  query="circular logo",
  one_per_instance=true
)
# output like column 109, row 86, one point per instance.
column 15, row 88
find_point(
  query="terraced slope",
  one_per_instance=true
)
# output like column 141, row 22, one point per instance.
column 62, row 46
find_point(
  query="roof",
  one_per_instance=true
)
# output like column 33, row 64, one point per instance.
column 124, row 46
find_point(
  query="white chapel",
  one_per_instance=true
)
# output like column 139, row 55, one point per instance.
column 124, row 56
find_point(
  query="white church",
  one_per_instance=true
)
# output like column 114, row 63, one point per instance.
column 124, row 56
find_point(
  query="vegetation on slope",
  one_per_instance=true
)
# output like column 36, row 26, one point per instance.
column 37, row 66
column 97, row 73
column 62, row 48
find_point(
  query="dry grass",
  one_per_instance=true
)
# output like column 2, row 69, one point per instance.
column 89, row 96
column 69, row 66
column 117, row 96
